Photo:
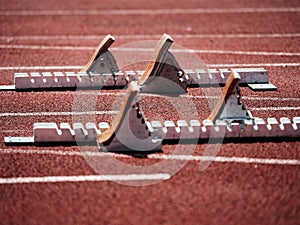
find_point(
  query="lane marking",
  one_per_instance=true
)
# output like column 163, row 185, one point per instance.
column 254, row 65
column 209, row 51
column 110, row 93
column 76, row 67
column 220, row 159
column 85, row 178
column 41, row 67
column 46, row 47
column 199, row 51
column 250, row 98
column 154, row 36
column 126, row 12
column 275, row 108
column 22, row 114
column 223, row 159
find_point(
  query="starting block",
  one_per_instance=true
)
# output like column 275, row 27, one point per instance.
column 102, row 71
column 131, row 131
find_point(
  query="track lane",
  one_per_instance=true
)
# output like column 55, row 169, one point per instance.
column 239, row 199
column 136, row 4
column 262, row 23
column 228, row 193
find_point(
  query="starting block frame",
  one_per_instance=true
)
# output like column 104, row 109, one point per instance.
column 102, row 71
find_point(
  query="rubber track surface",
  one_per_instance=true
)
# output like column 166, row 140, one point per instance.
column 263, row 191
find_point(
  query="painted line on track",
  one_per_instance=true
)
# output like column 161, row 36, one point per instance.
column 76, row 67
column 126, row 12
column 85, row 178
column 47, row 47
column 253, row 65
column 101, row 94
column 220, row 159
column 33, row 114
column 22, row 114
column 147, row 36
column 250, row 98
column 205, row 51
column 275, row 108
column 41, row 67
column 199, row 51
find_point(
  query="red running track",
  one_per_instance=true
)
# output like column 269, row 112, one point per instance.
column 248, row 183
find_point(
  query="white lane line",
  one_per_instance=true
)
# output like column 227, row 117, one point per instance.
column 41, row 67
column 230, row 52
column 199, row 51
column 254, row 65
column 46, row 47
column 85, row 178
column 22, row 114
column 97, row 93
column 221, row 159
column 147, row 36
column 250, row 98
column 275, row 109
column 147, row 11
column 76, row 67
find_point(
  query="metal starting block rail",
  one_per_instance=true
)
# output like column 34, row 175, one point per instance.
column 102, row 71
column 168, row 131
column 255, row 78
